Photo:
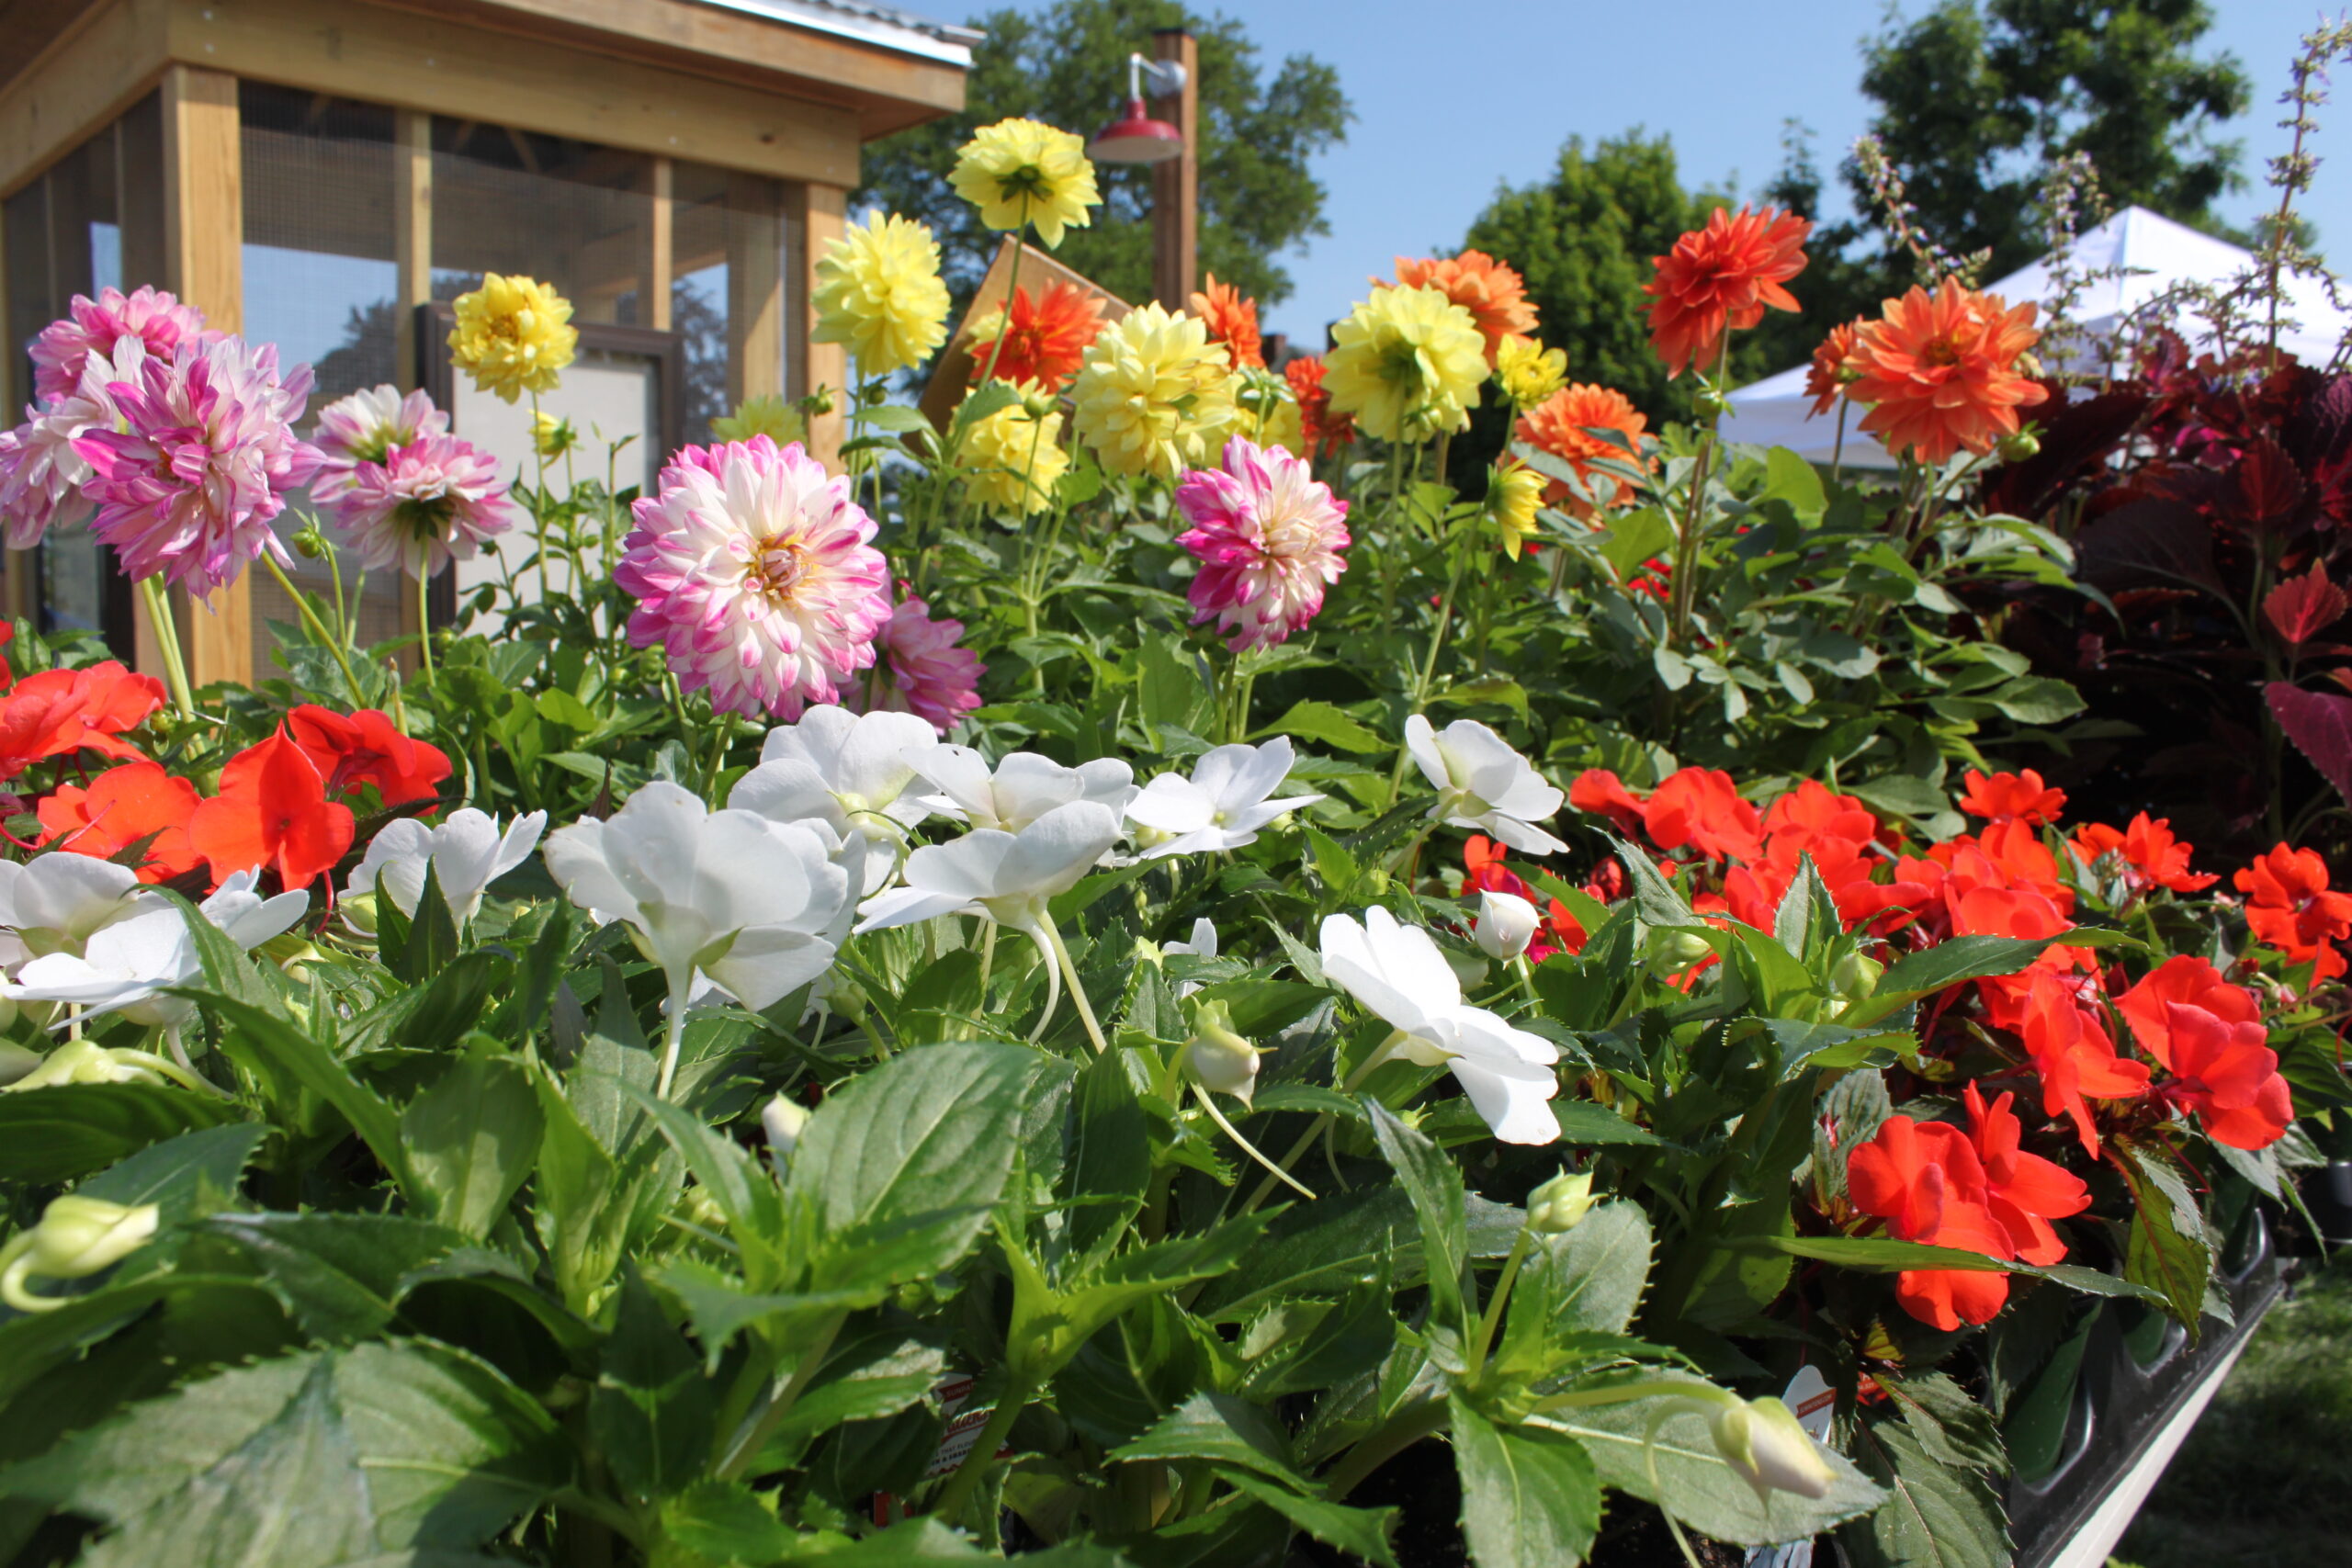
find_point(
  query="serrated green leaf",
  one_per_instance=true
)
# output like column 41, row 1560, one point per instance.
column 1222, row 1428
column 1938, row 1516
column 53, row 1134
column 472, row 1139
column 1362, row 1533
column 1530, row 1498
column 1433, row 1182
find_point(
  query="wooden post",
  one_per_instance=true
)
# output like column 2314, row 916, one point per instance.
column 658, row 284
column 411, row 234
column 756, row 289
column 823, row 214
column 1176, row 184
column 15, row 583
column 204, row 222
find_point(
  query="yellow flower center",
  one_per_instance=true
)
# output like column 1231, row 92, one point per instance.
column 776, row 570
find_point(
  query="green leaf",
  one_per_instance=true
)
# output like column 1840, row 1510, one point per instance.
column 307, row 1461
column 900, row 1169
column 726, row 1521
column 177, row 1173
column 1940, row 967
column 1656, row 899
column 1316, row 720
column 473, row 1139
column 281, row 1053
column 1530, row 1498
column 2168, row 1250
column 1585, row 1124
column 1591, row 1277
column 1938, row 1515
column 725, row 1172
column 1950, row 1426
column 1700, row 1488
column 32, row 1343
column 651, row 1410
column 339, row 1275
column 1433, row 1182
column 1110, row 1161
column 453, row 1002
column 1361, row 1534
column 2037, row 699
column 49, row 1136
column 1221, row 1427
column 876, row 1375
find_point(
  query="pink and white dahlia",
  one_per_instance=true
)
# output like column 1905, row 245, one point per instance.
column 1268, row 537
column 361, row 428
column 431, row 499
column 160, row 322
column 42, row 477
column 752, row 572
column 201, row 462
column 929, row 675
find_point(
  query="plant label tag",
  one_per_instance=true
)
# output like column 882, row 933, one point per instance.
column 1816, row 1403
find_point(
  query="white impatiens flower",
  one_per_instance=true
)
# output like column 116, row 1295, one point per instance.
column 1222, row 805
column 1398, row 972
column 851, row 772
column 729, row 894
column 54, row 903
column 1203, row 944
column 1020, row 788
column 1007, row 878
column 1481, row 783
column 467, row 853
column 125, row 967
column 1507, row 923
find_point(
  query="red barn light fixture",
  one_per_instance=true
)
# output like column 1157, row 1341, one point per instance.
column 1136, row 137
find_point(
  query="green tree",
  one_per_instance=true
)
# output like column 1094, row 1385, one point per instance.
column 1976, row 102
column 1584, row 240
column 1068, row 66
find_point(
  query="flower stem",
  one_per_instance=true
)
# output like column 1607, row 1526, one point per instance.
column 1493, row 1316
column 310, row 618
column 159, row 615
column 1077, row 987
column 1012, row 283
column 673, row 1013
column 424, row 625
column 748, row 1445
column 1249, row 1149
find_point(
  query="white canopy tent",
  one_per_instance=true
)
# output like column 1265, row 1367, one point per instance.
column 2151, row 254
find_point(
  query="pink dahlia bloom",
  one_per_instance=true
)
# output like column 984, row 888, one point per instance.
column 431, row 499
column 201, row 463
column 160, row 322
column 42, row 477
column 1268, row 537
column 929, row 675
column 752, row 572
column 360, row 429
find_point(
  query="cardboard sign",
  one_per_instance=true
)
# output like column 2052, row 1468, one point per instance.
column 952, row 373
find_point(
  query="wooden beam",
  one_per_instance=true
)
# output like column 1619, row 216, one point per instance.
column 816, row 214
column 657, row 286
column 1176, row 184
column 382, row 55
column 411, row 236
column 204, row 213
column 86, row 76
column 756, row 290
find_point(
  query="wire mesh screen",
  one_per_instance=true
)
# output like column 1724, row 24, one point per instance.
column 574, row 215
column 726, row 300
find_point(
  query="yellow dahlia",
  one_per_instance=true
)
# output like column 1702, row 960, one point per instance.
column 765, row 413
column 1514, row 495
column 1024, row 171
column 1528, row 372
column 513, row 334
column 551, row 437
column 1406, row 363
column 879, row 291
column 1014, row 458
column 1153, row 395
column 1265, row 411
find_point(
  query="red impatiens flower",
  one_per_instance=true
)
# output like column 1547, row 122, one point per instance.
column 367, row 748
column 2072, row 1052
column 2007, row 797
column 1601, row 793
column 1719, row 278
column 2026, row 1192
column 2208, row 1036
column 2289, row 907
column 59, row 711
column 272, row 812
column 2152, row 857
column 1044, row 337
column 121, row 806
column 1702, row 808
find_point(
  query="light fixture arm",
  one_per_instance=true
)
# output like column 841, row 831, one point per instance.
column 1164, row 77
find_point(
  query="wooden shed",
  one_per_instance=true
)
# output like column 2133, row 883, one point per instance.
column 323, row 174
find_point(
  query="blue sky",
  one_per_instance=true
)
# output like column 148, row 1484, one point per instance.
column 1453, row 99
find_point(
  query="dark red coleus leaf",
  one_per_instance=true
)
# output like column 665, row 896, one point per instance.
column 2320, row 725
column 2302, row 607
column 2269, row 485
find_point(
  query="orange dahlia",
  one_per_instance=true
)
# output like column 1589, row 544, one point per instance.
column 1492, row 291
column 1561, row 424
column 1721, row 277
column 1232, row 320
column 1323, row 427
column 1045, row 338
column 1943, row 371
column 1825, row 383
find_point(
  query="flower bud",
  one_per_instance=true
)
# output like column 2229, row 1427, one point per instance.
column 1561, row 1203
column 1855, row 975
column 1761, row 1440
column 1218, row 1058
column 78, row 1061
column 359, row 911
column 782, row 1121
column 1679, row 949
column 2019, row 447
column 1506, row 925
column 310, row 545
column 552, row 437
column 76, row 1238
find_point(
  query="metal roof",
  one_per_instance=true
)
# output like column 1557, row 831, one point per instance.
column 883, row 26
